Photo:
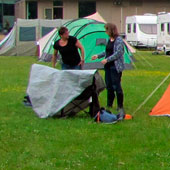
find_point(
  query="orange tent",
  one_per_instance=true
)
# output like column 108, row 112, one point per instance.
column 162, row 108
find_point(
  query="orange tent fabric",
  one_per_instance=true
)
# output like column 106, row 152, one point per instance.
column 162, row 108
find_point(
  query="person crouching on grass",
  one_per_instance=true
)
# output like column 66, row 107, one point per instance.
column 68, row 47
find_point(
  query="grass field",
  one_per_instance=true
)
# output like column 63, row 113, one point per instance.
column 28, row 142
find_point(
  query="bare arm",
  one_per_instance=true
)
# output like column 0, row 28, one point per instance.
column 98, row 56
column 79, row 45
column 54, row 58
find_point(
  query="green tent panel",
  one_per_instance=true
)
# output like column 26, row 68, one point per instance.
column 91, row 34
column 7, row 1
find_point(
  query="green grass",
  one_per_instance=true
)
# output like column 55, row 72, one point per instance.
column 28, row 142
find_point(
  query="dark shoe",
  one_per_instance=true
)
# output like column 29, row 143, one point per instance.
column 121, row 114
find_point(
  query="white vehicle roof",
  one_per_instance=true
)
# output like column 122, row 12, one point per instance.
column 142, row 19
column 163, row 17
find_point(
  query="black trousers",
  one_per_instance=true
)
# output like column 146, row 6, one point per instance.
column 113, row 85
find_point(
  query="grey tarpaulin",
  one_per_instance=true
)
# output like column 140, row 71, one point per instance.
column 50, row 90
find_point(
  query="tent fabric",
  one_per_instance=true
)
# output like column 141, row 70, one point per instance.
column 83, row 30
column 7, row 1
column 42, row 41
column 21, row 41
column 7, row 45
column 91, row 34
column 130, row 48
column 162, row 108
column 50, row 90
column 96, row 16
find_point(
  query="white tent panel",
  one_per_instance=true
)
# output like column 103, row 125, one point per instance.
column 25, row 34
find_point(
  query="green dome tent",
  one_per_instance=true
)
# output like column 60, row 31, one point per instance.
column 91, row 34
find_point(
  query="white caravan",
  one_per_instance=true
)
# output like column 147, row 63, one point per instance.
column 141, row 30
column 163, row 33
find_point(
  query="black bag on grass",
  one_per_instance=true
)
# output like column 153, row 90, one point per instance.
column 27, row 101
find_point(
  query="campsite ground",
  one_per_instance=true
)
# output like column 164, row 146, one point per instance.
column 28, row 142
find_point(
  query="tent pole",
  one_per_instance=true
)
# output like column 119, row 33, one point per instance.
column 151, row 94
column 16, row 37
column 121, row 19
column 133, row 63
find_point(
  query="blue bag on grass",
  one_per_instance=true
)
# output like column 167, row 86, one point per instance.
column 105, row 116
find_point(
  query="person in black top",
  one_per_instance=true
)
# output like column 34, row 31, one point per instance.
column 113, row 65
column 68, row 47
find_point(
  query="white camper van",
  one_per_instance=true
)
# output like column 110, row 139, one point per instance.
column 141, row 30
column 163, row 34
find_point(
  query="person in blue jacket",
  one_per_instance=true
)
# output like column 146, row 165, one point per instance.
column 113, row 66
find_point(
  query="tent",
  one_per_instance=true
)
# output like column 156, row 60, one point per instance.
column 91, row 33
column 162, row 108
column 54, row 92
column 96, row 16
column 42, row 41
column 21, row 40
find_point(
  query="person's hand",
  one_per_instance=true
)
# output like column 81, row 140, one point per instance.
column 81, row 62
column 94, row 57
column 54, row 64
column 104, row 61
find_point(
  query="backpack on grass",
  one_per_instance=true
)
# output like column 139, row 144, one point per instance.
column 105, row 116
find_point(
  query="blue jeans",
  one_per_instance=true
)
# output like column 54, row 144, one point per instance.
column 68, row 67
column 113, row 85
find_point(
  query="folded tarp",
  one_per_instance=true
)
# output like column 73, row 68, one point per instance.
column 51, row 90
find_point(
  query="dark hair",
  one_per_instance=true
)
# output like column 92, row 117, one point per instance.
column 62, row 30
column 112, row 30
